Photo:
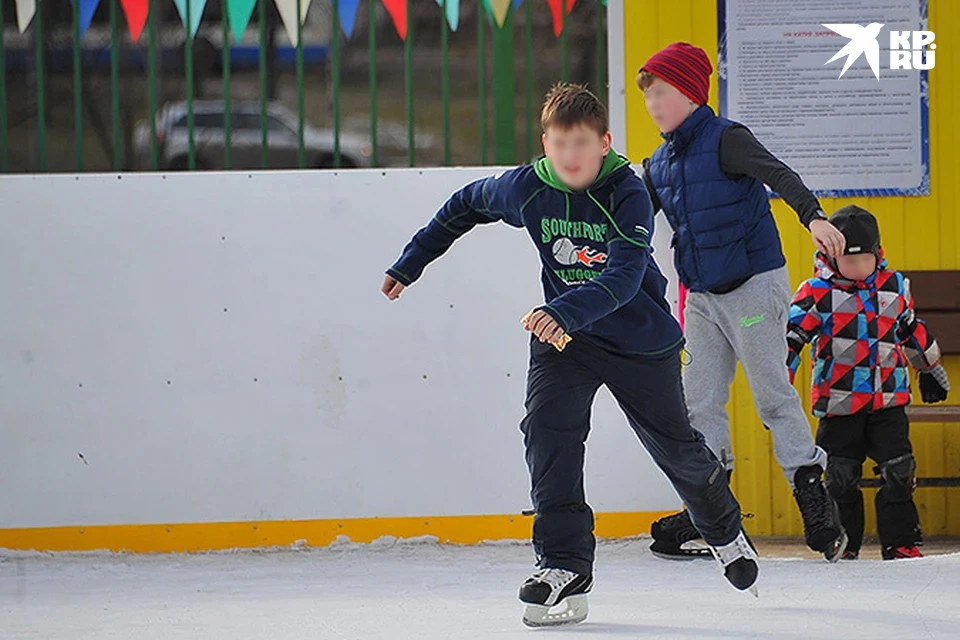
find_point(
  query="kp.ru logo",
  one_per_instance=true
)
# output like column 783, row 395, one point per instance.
column 908, row 49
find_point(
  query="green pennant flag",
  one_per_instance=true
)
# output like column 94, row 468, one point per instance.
column 239, row 12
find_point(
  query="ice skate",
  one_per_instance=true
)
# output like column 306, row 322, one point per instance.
column 821, row 516
column 739, row 563
column 555, row 597
column 674, row 538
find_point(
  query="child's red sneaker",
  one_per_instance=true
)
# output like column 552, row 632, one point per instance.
column 897, row 553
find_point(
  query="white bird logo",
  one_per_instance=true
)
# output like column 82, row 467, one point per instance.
column 863, row 40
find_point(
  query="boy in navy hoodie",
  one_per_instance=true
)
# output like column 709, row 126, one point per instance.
column 604, row 321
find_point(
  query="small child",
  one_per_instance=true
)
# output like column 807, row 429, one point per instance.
column 859, row 317
column 589, row 217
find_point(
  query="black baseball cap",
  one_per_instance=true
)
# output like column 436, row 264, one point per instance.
column 860, row 229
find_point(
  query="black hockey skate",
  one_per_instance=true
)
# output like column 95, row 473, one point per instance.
column 821, row 516
column 671, row 535
column 555, row 597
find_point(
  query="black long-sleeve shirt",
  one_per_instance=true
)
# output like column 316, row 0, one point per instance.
column 742, row 154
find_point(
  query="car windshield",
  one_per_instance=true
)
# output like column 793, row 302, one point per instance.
column 239, row 120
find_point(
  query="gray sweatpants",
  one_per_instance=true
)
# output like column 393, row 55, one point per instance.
column 748, row 324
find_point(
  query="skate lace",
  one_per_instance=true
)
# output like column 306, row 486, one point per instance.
column 728, row 553
column 674, row 520
column 556, row 578
column 811, row 498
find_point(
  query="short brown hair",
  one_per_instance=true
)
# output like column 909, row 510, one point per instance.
column 568, row 105
column 645, row 79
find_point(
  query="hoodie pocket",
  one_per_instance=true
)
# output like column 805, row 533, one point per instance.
column 722, row 254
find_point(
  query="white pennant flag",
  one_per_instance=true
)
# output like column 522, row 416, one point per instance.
column 288, row 11
column 25, row 11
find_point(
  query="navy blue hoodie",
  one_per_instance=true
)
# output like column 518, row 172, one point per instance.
column 600, row 282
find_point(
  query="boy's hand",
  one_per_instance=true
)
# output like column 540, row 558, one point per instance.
column 543, row 326
column 391, row 287
column 828, row 238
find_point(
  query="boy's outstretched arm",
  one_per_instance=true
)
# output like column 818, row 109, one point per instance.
column 921, row 349
column 803, row 325
column 481, row 202
column 742, row 154
column 628, row 249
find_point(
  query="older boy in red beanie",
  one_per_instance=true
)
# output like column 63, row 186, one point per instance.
column 709, row 176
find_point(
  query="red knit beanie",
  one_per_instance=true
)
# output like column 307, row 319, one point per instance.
column 684, row 66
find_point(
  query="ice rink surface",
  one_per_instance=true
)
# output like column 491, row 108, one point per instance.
column 427, row 591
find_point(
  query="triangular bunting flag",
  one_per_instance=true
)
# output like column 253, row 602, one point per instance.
column 87, row 9
column 25, row 11
column 498, row 9
column 398, row 11
column 516, row 3
column 348, row 14
column 453, row 13
column 288, row 14
column 196, row 13
column 238, row 13
column 555, row 7
column 136, row 12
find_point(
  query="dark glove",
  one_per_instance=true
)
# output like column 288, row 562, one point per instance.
column 934, row 384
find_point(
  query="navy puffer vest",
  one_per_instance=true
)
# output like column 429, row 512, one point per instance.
column 724, row 230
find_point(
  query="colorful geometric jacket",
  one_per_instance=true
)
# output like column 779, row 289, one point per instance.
column 863, row 333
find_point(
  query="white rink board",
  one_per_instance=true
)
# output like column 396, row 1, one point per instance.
column 214, row 347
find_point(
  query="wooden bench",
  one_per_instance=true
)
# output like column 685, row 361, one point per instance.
column 936, row 299
column 934, row 413
column 948, row 481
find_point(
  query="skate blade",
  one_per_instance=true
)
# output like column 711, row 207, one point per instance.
column 570, row 611
column 683, row 554
column 834, row 554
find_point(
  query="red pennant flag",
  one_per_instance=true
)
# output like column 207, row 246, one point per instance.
column 398, row 11
column 136, row 12
column 558, row 16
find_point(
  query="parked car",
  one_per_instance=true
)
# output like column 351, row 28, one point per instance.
column 245, row 141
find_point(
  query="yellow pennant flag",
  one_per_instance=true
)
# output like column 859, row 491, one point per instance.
column 499, row 9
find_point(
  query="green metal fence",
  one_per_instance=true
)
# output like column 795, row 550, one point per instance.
column 505, row 56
